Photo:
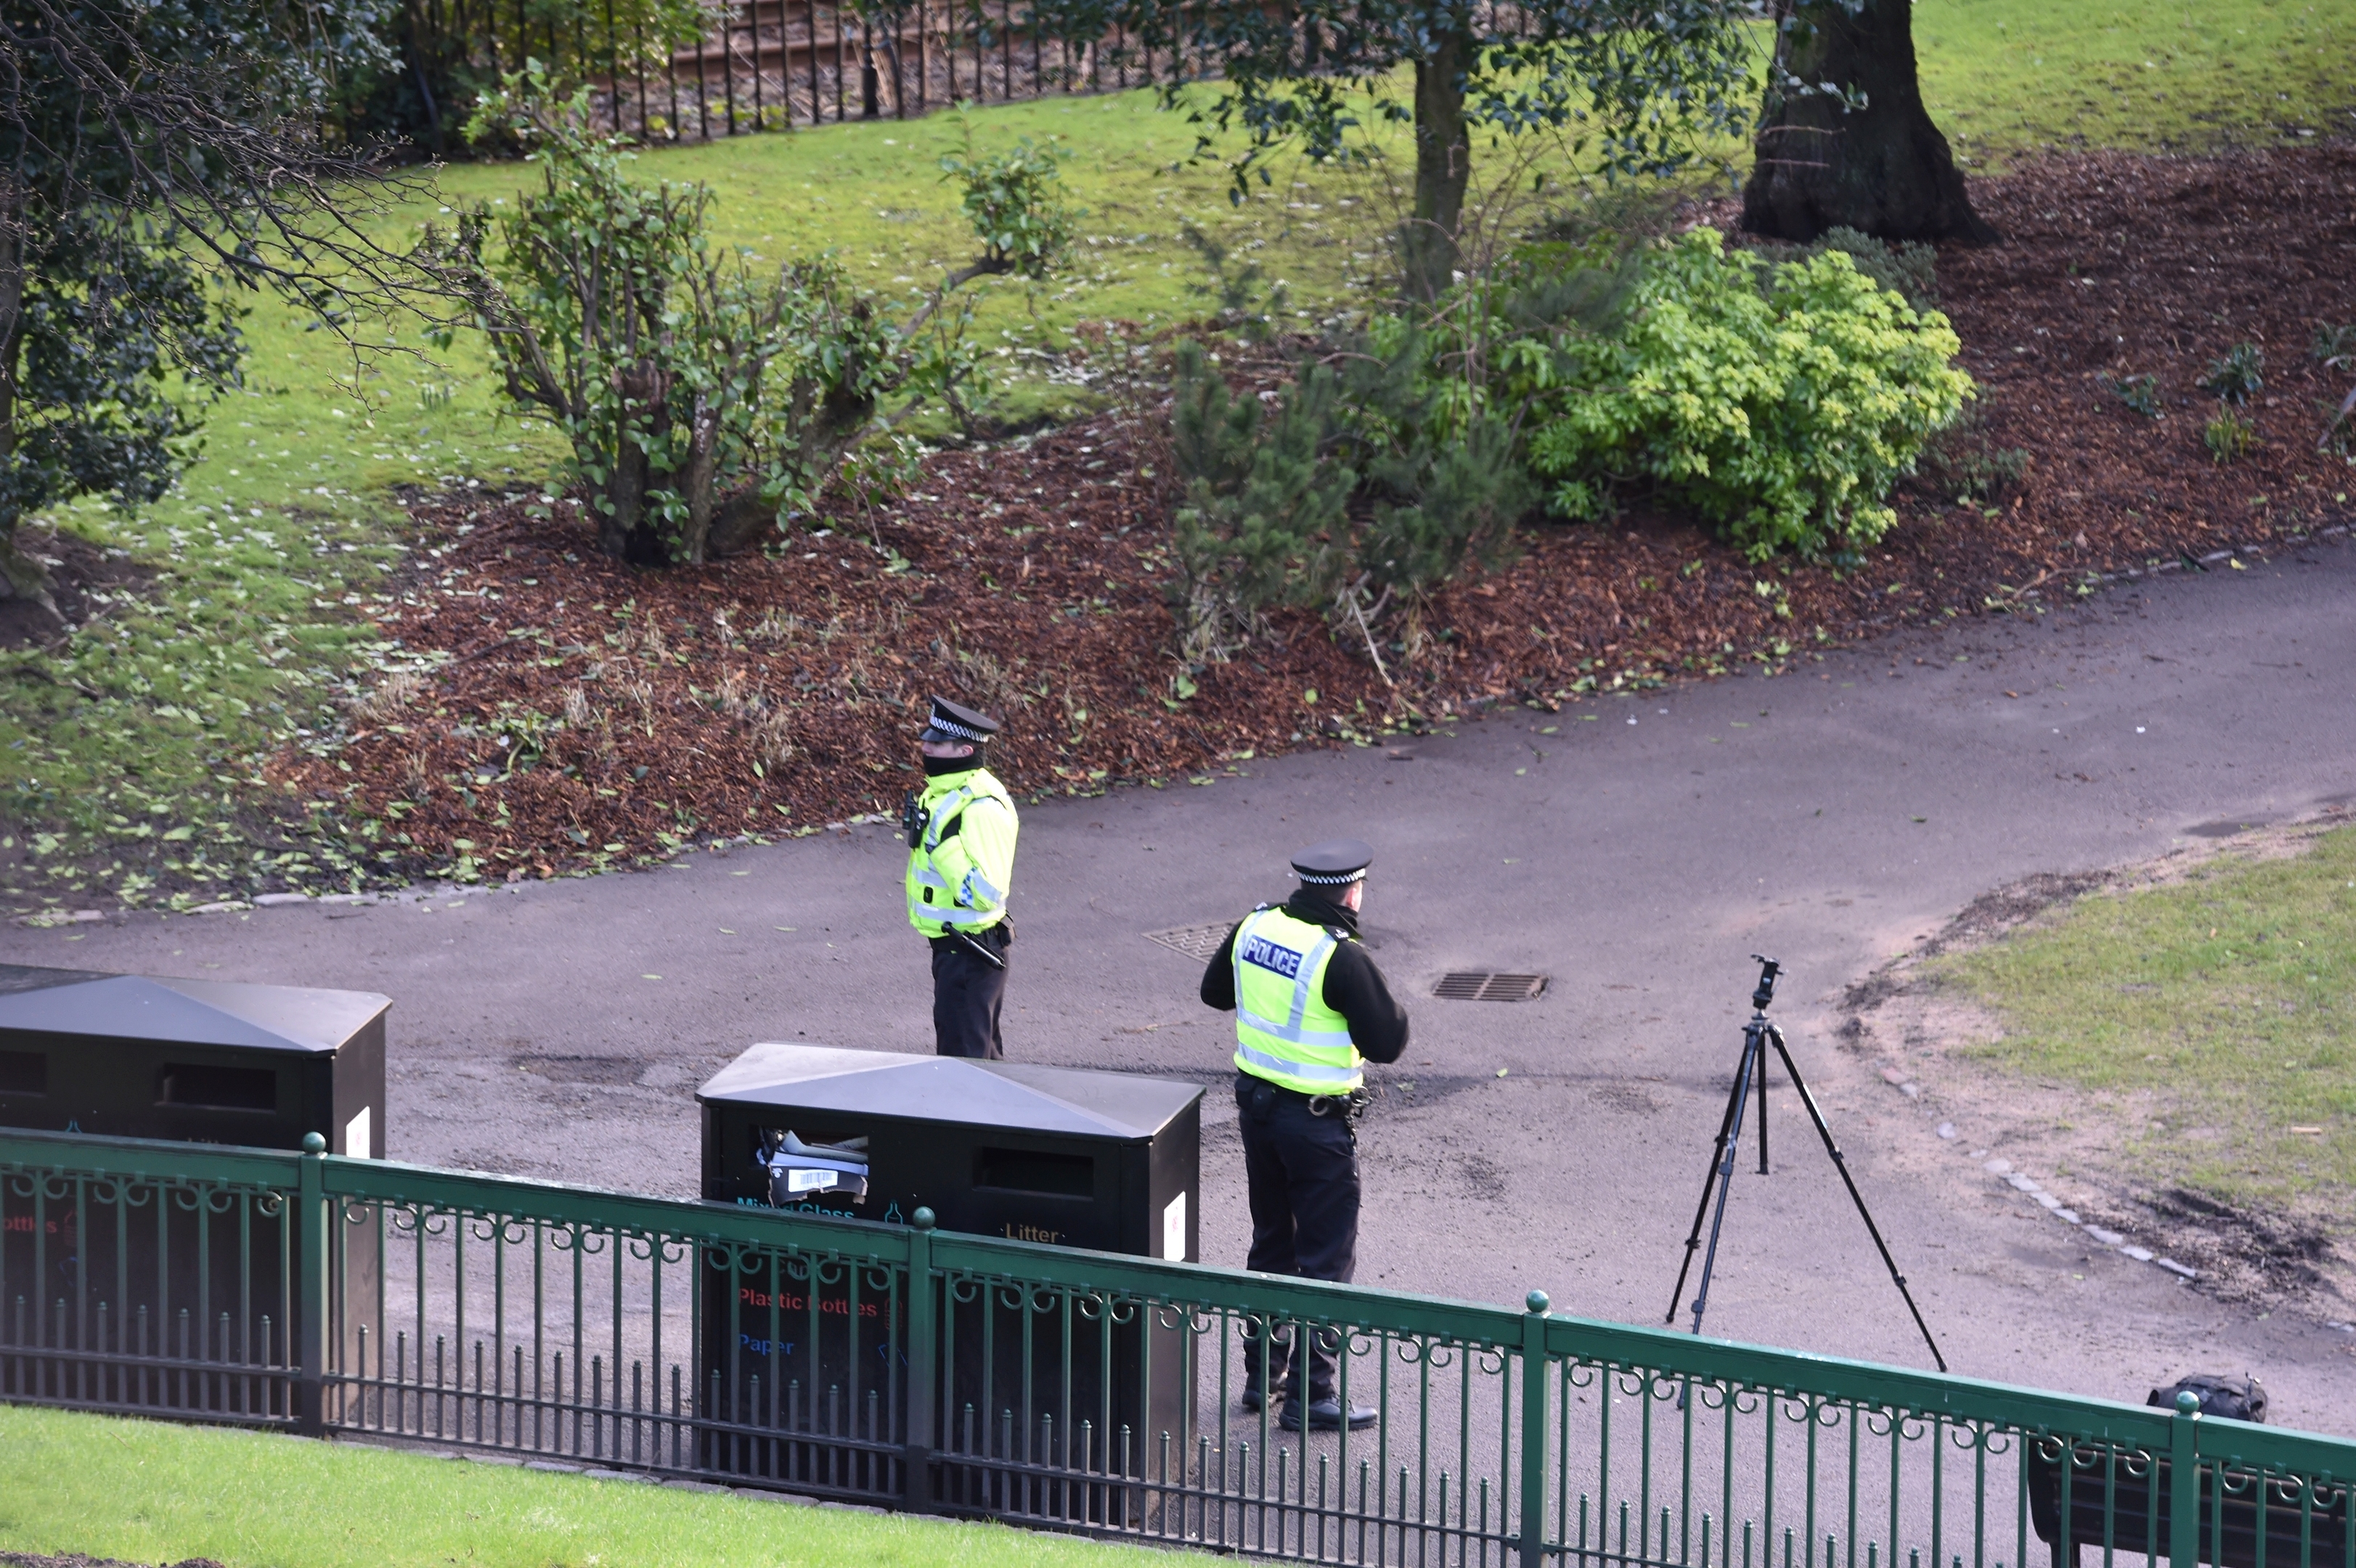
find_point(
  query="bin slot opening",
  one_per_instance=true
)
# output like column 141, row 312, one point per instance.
column 1035, row 1171
column 217, row 1088
column 23, row 1073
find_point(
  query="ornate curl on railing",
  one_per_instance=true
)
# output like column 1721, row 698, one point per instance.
column 729, row 1255
column 2294, row 1493
column 1712, row 1393
column 1581, row 1374
column 1414, row 1349
column 1185, row 1317
column 419, row 1220
column 1110, row 1308
column 581, row 1241
column 655, row 1246
column 1977, row 1436
column 2236, row 1481
column 207, row 1197
column 2088, row 1456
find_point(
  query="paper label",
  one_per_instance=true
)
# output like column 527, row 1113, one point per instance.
column 1173, row 1230
column 358, row 1133
column 809, row 1181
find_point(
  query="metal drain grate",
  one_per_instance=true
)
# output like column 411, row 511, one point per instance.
column 1197, row 941
column 1486, row 986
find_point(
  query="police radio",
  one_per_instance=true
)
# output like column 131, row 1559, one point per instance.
column 912, row 818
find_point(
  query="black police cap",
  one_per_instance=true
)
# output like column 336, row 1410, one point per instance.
column 953, row 721
column 1335, row 863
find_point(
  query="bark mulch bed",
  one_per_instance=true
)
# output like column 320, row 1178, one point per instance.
column 578, row 713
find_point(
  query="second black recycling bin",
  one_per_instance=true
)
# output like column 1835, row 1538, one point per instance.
column 1105, row 1160
column 193, row 1061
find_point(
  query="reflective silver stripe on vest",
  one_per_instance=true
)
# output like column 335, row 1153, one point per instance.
column 978, row 883
column 1296, row 1035
column 948, row 911
column 945, row 811
column 1290, row 1028
column 1316, row 1073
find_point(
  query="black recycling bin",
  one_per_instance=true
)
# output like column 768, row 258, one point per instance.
column 123, row 1270
column 197, row 1061
column 1109, row 1161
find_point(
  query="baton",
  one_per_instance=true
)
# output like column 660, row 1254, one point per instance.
column 979, row 950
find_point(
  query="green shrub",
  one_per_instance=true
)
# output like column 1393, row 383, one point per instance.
column 1909, row 269
column 2139, row 394
column 2238, row 376
column 1263, row 512
column 2335, row 346
column 2229, row 435
column 1014, row 203
column 704, row 405
column 1782, row 407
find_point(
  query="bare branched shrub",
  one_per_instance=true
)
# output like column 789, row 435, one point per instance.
column 417, row 776
column 391, row 695
column 577, row 711
column 737, row 698
column 642, row 693
column 652, row 644
column 772, row 738
column 987, row 678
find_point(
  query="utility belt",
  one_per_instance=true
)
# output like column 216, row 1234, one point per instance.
column 996, row 939
column 1349, row 1106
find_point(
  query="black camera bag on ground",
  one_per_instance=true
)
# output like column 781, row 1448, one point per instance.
column 2236, row 1399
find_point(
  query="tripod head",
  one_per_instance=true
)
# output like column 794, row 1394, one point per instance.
column 1768, row 970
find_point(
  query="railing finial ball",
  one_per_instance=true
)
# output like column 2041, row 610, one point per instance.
column 2187, row 1402
column 924, row 1219
column 1536, row 1301
column 313, row 1144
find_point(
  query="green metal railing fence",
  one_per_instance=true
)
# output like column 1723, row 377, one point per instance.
column 897, row 1365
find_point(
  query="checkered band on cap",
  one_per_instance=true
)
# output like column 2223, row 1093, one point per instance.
column 951, row 726
column 1336, row 862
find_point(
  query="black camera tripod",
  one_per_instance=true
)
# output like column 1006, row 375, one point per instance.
column 1757, row 1035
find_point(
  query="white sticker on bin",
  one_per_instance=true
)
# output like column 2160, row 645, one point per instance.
column 358, row 1133
column 1173, row 1230
column 809, row 1181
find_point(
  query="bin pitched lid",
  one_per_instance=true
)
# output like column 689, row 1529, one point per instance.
column 181, row 1012
column 959, row 1090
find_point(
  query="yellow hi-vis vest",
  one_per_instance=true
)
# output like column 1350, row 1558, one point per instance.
column 1284, row 1032
column 961, row 881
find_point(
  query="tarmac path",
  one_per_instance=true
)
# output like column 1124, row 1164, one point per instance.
column 1635, row 850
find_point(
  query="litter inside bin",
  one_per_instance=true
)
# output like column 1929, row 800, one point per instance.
column 798, row 1170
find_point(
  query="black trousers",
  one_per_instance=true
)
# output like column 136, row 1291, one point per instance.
column 968, row 995
column 1302, row 1170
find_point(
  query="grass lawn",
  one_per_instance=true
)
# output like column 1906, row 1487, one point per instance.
column 2209, row 1020
column 147, row 1492
column 129, row 756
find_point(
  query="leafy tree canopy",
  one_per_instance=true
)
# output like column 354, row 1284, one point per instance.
column 150, row 151
column 1647, row 82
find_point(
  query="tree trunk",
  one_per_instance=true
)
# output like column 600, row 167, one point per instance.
column 26, row 610
column 1882, row 168
column 1443, row 167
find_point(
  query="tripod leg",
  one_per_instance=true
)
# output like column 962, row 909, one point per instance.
column 1709, row 1180
column 1758, row 1023
column 1840, row 1163
column 1754, row 1059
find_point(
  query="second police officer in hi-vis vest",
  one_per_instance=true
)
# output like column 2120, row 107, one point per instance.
column 960, row 831
column 1311, row 1007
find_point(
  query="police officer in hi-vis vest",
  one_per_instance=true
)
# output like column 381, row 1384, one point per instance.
column 1311, row 1006
column 960, row 831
